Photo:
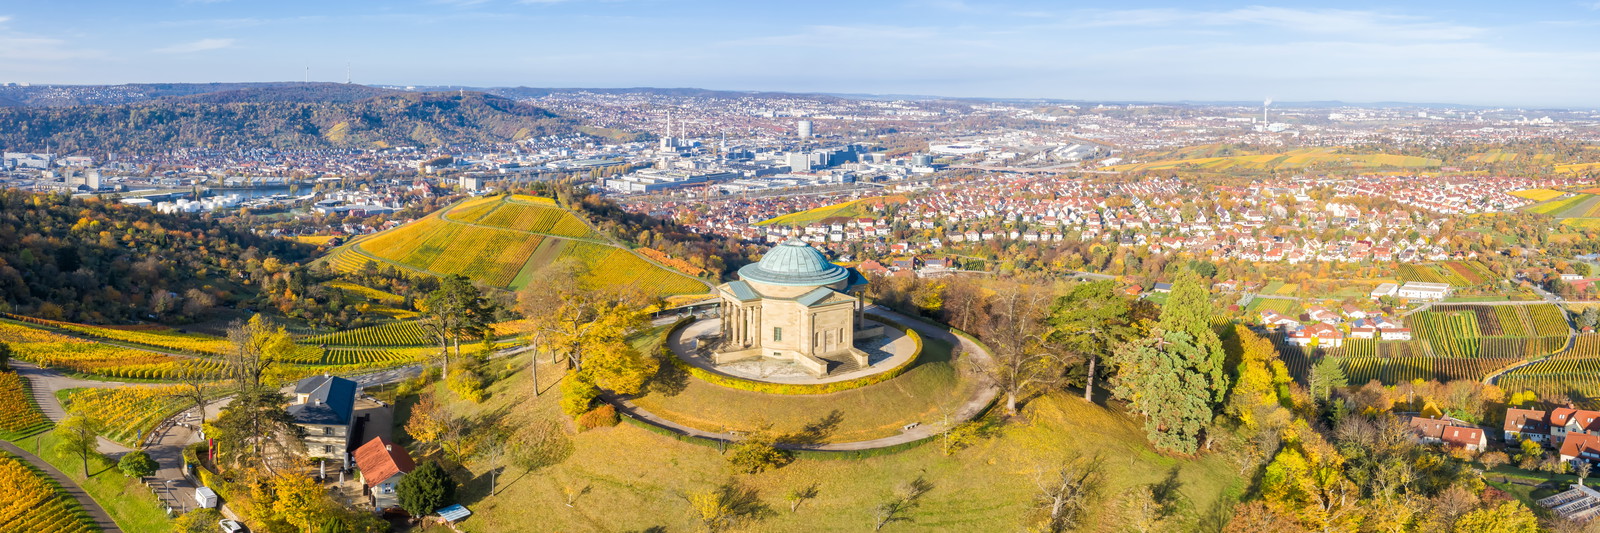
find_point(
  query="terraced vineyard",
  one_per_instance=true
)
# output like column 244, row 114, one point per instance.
column 1556, row 377
column 31, row 503
column 1447, row 334
column 127, row 412
column 1392, row 370
column 19, row 417
column 389, row 334
column 504, row 241
column 151, row 335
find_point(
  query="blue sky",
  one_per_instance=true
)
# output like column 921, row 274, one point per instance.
column 1490, row 53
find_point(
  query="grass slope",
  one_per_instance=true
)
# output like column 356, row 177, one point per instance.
column 631, row 479
column 502, row 241
column 1323, row 157
column 922, row 394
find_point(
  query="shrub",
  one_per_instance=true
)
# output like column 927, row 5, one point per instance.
column 603, row 416
column 137, row 464
column 468, row 385
column 757, row 453
column 577, row 394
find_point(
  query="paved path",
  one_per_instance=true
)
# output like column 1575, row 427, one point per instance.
column 967, row 411
column 44, row 383
column 102, row 520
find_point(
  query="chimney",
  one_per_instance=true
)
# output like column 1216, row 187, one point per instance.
column 388, row 447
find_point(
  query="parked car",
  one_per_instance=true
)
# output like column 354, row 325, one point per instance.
column 230, row 526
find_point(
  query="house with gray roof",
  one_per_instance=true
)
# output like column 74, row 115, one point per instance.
column 324, row 407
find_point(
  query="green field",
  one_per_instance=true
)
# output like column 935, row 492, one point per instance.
column 850, row 209
column 1308, row 157
column 502, row 241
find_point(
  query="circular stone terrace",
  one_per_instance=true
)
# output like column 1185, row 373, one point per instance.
column 884, row 353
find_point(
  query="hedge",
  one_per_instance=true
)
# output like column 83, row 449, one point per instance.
column 791, row 388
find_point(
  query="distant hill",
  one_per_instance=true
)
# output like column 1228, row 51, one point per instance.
column 296, row 117
column 504, row 241
column 313, row 92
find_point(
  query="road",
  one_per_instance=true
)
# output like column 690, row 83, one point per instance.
column 971, row 409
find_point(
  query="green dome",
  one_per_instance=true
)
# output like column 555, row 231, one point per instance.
column 795, row 264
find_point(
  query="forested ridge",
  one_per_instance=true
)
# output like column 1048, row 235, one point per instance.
column 100, row 261
column 271, row 118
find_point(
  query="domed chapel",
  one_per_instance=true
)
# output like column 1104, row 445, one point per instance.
column 796, row 306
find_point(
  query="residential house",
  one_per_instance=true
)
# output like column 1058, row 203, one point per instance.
column 1581, row 446
column 1274, row 319
column 1318, row 334
column 1353, row 313
column 1449, row 432
column 382, row 464
column 325, row 407
column 1526, row 424
column 1565, row 420
column 1323, row 315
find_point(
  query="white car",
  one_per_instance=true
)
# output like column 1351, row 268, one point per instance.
column 230, row 526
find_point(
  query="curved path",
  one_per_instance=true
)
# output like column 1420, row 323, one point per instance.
column 969, row 410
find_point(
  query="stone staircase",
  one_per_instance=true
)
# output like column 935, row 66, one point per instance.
column 839, row 364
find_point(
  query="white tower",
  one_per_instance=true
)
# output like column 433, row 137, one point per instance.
column 804, row 129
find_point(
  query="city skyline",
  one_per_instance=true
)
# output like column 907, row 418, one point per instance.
column 1459, row 53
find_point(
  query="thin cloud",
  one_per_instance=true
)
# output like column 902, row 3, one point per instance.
column 1349, row 23
column 197, row 46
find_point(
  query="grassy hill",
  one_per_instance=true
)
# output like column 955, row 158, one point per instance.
column 503, row 241
column 1308, row 157
column 850, row 209
column 630, row 479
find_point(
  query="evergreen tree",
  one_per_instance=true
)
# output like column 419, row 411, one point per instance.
column 1090, row 319
column 1326, row 375
column 1188, row 310
column 1161, row 377
column 426, row 489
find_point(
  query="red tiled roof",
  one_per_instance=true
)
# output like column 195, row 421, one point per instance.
column 1526, row 421
column 380, row 459
column 1577, row 444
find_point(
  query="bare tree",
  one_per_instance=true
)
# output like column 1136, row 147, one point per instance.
column 1024, row 359
column 905, row 498
column 1065, row 490
column 194, row 384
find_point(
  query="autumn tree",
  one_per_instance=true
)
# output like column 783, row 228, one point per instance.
column 254, row 347
column 79, row 436
column 577, row 321
column 728, row 506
